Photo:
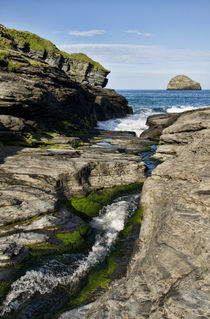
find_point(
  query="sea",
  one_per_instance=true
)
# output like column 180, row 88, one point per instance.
column 148, row 102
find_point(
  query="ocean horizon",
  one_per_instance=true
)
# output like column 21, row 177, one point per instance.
column 149, row 102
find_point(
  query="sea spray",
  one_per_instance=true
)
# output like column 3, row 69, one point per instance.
column 150, row 102
column 110, row 222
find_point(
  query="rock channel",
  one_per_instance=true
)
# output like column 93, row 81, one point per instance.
column 168, row 276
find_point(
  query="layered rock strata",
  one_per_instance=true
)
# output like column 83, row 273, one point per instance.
column 34, row 95
column 169, row 273
column 79, row 67
column 35, row 181
column 183, row 82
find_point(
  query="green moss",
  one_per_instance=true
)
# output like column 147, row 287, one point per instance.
column 100, row 276
column 71, row 242
column 81, row 57
column 135, row 219
column 4, row 287
column 96, row 278
column 135, row 152
column 47, row 145
column 91, row 205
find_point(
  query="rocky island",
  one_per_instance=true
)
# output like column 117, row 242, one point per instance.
column 183, row 82
column 58, row 256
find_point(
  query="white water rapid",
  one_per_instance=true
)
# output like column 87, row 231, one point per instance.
column 43, row 280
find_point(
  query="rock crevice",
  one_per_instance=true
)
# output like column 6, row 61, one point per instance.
column 169, row 273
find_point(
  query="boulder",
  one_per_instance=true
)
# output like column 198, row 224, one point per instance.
column 183, row 82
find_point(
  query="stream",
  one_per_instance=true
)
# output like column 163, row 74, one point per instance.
column 43, row 288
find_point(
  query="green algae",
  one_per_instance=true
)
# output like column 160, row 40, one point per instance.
column 4, row 287
column 101, row 275
column 91, row 205
column 136, row 218
column 70, row 241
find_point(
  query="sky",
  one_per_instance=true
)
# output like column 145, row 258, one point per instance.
column 143, row 43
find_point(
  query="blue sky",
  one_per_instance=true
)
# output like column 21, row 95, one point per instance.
column 143, row 43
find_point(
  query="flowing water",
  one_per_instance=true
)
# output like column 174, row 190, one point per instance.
column 148, row 102
column 54, row 281
column 54, row 273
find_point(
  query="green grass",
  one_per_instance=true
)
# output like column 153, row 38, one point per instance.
column 36, row 63
column 91, row 205
column 14, row 67
column 5, row 43
column 35, row 42
column 81, row 57
column 3, row 54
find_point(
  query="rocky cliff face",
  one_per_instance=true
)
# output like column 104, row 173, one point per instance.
column 38, row 90
column 183, row 82
column 79, row 67
column 169, row 273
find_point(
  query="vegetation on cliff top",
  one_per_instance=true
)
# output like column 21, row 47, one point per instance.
column 35, row 42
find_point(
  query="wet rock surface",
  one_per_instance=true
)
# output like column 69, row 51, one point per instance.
column 35, row 181
column 169, row 273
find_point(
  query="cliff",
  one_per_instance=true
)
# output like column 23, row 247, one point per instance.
column 78, row 66
column 169, row 273
column 43, row 88
column 183, row 82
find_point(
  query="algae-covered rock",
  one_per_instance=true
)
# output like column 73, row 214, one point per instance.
column 183, row 82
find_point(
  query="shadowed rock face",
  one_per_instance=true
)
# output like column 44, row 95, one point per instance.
column 183, row 82
column 169, row 273
column 35, row 95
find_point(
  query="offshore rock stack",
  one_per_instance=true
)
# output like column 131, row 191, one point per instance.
column 183, row 82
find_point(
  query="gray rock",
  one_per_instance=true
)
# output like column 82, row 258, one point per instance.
column 183, row 82
column 34, row 181
column 169, row 273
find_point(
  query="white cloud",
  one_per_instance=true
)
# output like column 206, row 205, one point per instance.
column 146, row 66
column 143, row 34
column 88, row 33
column 140, row 54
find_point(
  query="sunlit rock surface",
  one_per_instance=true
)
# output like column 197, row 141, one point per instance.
column 169, row 274
column 183, row 82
